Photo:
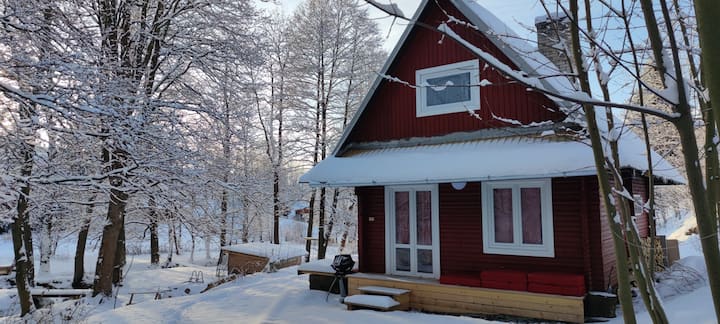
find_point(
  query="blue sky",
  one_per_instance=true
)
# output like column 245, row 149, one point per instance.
column 515, row 13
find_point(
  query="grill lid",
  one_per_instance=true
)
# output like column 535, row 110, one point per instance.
column 343, row 264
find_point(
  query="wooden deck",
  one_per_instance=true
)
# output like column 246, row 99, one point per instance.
column 429, row 295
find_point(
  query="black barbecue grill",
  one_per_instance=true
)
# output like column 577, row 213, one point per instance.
column 343, row 265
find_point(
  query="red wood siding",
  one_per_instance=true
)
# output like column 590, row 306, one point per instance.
column 635, row 185
column 460, row 229
column 371, row 229
column 578, row 232
column 461, row 232
column 638, row 185
column 390, row 113
column 601, row 242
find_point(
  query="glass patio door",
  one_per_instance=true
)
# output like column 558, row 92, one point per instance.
column 413, row 231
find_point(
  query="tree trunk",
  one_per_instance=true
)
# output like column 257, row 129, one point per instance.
column 707, row 226
column 21, row 231
column 311, row 220
column 706, row 14
column 706, row 219
column 322, row 243
column 603, row 182
column 169, row 242
column 276, row 206
column 103, row 282
column 712, row 163
column 22, row 279
column 23, row 266
column 120, row 253
column 223, row 218
column 343, row 239
column 154, row 239
column 246, row 219
column 175, row 240
column 79, row 272
column 331, row 221
column 46, row 242
column 192, row 247
column 154, row 243
column 207, row 247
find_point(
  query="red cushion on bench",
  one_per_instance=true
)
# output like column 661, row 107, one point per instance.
column 556, row 283
column 519, row 286
column 504, row 275
column 556, row 290
column 468, row 279
column 504, row 279
column 556, row 278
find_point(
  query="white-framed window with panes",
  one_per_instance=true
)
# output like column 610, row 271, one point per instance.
column 517, row 218
column 448, row 88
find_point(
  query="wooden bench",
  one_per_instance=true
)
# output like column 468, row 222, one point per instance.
column 381, row 298
column 59, row 293
column 158, row 294
column 6, row 270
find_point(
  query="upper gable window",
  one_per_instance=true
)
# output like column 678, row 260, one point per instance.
column 448, row 88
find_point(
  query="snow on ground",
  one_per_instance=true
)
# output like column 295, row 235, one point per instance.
column 284, row 297
column 281, row 297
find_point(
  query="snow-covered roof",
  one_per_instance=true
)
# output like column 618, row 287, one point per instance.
column 274, row 252
column 477, row 160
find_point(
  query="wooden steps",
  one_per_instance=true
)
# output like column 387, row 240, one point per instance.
column 383, row 303
column 379, row 298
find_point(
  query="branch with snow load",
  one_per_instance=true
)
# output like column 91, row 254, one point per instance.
column 532, row 83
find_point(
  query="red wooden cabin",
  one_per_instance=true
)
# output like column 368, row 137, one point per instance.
column 470, row 186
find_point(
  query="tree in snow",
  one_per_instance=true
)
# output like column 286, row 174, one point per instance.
column 335, row 50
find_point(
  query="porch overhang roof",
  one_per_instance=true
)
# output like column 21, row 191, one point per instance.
column 478, row 160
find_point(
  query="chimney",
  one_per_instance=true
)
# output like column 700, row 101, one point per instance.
column 550, row 30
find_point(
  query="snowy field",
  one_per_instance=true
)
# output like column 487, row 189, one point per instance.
column 281, row 297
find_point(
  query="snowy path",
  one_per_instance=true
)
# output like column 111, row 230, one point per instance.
column 278, row 298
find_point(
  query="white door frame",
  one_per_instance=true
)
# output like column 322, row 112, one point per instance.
column 390, row 244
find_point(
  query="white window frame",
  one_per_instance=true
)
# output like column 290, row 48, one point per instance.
column 490, row 246
column 472, row 66
column 390, row 267
column 638, row 205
